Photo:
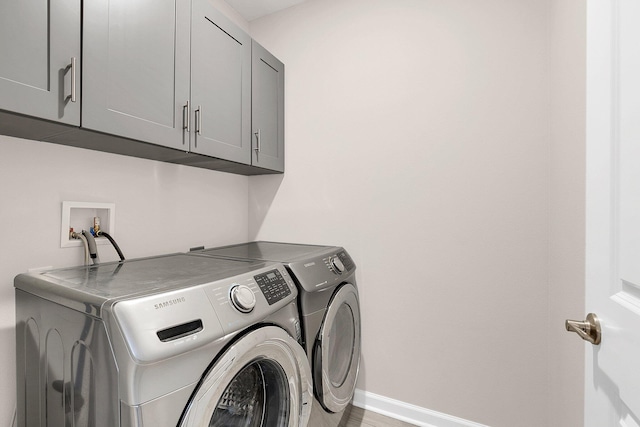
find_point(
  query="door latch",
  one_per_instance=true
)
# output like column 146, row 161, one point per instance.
column 589, row 330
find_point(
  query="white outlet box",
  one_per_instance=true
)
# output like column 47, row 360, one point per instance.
column 79, row 216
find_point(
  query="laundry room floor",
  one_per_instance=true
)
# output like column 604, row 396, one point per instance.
column 358, row 417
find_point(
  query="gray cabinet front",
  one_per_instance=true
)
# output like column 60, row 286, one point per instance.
column 220, row 86
column 267, row 112
column 39, row 40
column 170, row 80
column 136, row 69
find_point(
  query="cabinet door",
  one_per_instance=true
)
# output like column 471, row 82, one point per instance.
column 38, row 39
column 220, row 85
column 267, row 109
column 136, row 69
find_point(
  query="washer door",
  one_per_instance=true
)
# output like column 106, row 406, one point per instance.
column 337, row 350
column 261, row 380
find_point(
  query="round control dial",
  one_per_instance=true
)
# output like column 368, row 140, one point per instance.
column 337, row 265
column 242, row 298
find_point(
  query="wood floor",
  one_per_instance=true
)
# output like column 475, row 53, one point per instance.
column 351, row 417
column 358, row 417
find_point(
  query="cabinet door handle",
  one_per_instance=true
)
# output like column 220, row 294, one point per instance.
column 73, row 79
column 199, row 120
column 257, row 134
column 186, row 117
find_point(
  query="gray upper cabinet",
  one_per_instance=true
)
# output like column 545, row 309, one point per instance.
column 220, row 85
column 39, row 41
column 267, row 109
column 169, row 80
column 136, row 69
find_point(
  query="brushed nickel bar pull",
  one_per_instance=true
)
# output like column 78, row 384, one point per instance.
column 73, row 79
column 257, row 134
column 588, row 330
column 185, row 116
column 199, row 120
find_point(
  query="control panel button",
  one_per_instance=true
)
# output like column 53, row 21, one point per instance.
column 337, row 265
column 242, row 298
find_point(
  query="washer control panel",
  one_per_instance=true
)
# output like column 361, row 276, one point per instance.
column 248, row 298
column 273, row 286
column 242, row 298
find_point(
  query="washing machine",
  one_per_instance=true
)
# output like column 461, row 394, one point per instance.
column 329, row 311
column 171, row 341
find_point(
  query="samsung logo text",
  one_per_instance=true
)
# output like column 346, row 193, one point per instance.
column 169, row 303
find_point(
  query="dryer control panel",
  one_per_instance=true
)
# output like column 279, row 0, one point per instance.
column 324, row 271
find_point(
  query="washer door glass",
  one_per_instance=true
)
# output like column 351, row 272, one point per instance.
column 262, row 380
column 337, row 351
column 257, row 396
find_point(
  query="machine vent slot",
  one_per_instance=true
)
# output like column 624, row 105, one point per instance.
column 176, row 332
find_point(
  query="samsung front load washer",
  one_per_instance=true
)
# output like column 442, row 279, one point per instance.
column 172, row 341
column 329, row 311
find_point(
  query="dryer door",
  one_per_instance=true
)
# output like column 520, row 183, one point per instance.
column 337, row 350
column 261, row 380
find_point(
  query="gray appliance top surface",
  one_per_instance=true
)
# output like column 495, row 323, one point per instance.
column 272, row 251
column 311, row 265
column 94, row 285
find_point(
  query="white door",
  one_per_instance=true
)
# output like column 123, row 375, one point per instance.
column 613, row 212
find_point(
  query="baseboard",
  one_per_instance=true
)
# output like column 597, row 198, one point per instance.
column 406, row 412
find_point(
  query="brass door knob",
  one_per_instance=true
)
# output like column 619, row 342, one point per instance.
column 589, row 330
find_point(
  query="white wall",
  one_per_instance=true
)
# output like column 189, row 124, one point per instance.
column 160, row 208
column 418, row 137
column 566, row 258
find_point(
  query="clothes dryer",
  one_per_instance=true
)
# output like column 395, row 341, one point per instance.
column 161, row 342
column 330, row 314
